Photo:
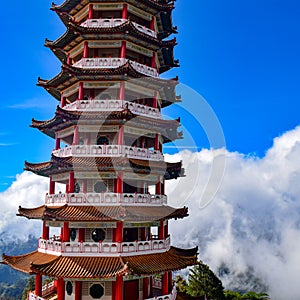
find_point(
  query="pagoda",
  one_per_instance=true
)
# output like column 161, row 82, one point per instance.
column 105, row 217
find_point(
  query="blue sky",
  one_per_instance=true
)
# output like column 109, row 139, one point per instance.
column 241, row 56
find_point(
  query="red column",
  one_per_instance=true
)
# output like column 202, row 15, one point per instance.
column 84, row 186
column 154, row 102
column 57, row 142
column 92, row 94
column 45, row 233
column 121, row 135
column 71, row 182
column 145, row 288
column 156, row 142
column 60, row 289
column 51, row 186
column 85, row 49
column 143, row 233
column 38, row 285
column 118, row 238
column 152, row 23
column 63, row 101
column 120, row 183
column 91, row 11
column 165, row 284
column 166, row 229
column 78, row 290
column 76, row 135
column 119, row 288
column 69, row 60
column 170, row 280
column 153, row 61
column 81, row 235
column 161, row 232
column 122, row 91
column 80, row 91
column 66, row 232
column 124, row 11
column 123, row 50
column 158, row 187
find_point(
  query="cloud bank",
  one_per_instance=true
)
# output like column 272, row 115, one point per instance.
column 249, row 234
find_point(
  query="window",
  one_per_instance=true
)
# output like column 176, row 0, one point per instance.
column 69, row 288
column 73, row 234
column 96, row 291
column 98, row 235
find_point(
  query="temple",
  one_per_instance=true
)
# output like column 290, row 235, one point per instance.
column 105, row 217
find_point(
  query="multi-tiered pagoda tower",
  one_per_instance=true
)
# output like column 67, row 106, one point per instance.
column 105, row 233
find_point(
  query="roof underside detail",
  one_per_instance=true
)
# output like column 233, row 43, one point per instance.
column 104, row 213
column 102, row 267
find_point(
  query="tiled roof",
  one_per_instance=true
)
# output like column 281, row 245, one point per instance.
column 102, row 267
column 104, row 213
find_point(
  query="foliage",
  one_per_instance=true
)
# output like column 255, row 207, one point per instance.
column 202, row 281
column 29, row 287
column 181, row 284
column 230, row 295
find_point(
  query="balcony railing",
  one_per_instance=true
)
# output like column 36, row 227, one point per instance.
column 109, row 151
column 114, row 105
column 109, row 199
column 103, row 248
column 114, row 62
column 106, row 23
column 171, row 296
column 47, row 290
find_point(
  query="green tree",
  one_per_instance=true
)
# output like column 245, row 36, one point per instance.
column 29, row 287
column 202, row 281
column 230, row 295
column 254, row 296
column 181, row 284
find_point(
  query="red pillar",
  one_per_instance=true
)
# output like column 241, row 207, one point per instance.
column 119, row 288
column 166, row 229
column 57, row 142
column 161, row 231
column 170, row 280
column 152, row 24
column 156, row 142
column 38, row 285
column 71, row 182
column 154, row 102
column 51, row 186
column 153, row 61
column 123, row 50
column 143, row 233
column 118, row 236
column 91, row 11
column 125, row 11
column 76, row 135
column 60, row 289
column 63, row 101
column 85, row 49
column 66, row 232
column 158, row 187
column 122, row 91
column 146, row 288
column 81, row 235
column 69, row 60
column 121, row 135
column 165, row 284
column 84, row 186
column 80, row 91
column 45, row 233
column 78, row 290
column 120, row 183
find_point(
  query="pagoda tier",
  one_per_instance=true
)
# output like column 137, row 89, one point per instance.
column 102, row 267
column 76, row 35
column 103, row 213
column 65, row 119
column 149, row 170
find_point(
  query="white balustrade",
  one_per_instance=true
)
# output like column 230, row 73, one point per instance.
column 114, row 62
column 171, row 296
column 114, row 105
column 33, row 296
column 109, row 199
column 106, row 23
column 109, row 151
column 103, row 248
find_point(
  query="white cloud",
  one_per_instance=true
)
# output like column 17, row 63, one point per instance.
column 253, row 223
column 252, row 226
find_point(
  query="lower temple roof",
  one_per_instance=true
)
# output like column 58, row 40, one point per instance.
column 102, row 267
column 104, row 213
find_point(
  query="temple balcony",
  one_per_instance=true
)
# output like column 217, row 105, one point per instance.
column 109, row 151
column 47, row 289
column 171, row 296
column 103, row 248
column 114, row 62
column 104, row 23
column 109, row 199
column 114, row 105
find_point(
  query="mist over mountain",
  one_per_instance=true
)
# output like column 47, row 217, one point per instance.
column 249, row 234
